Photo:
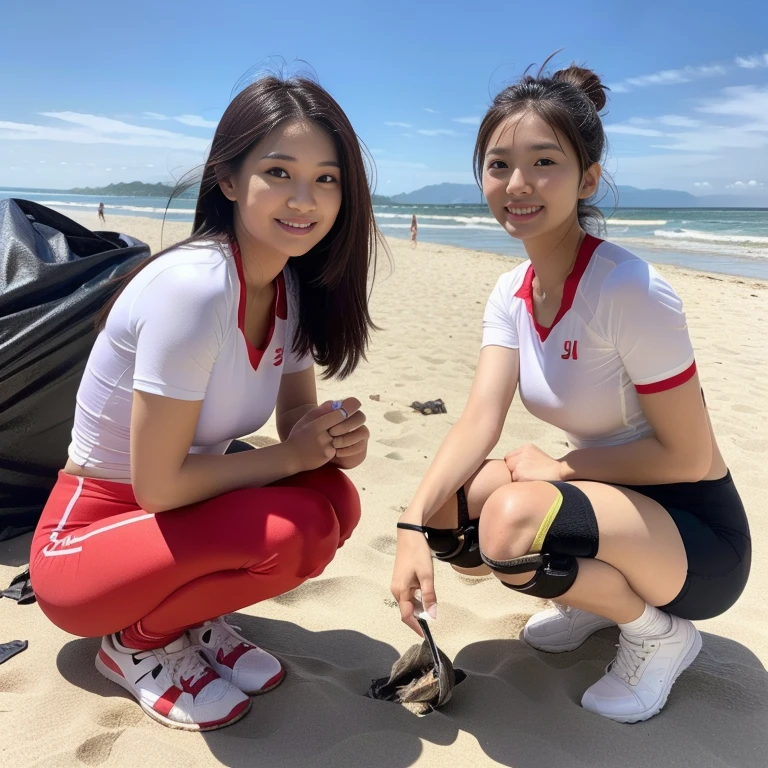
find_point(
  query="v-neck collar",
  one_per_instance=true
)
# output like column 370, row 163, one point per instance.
column 279, row 309
column 525, row 292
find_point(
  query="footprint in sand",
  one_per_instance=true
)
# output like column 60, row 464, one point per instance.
column 96, row 750
column 753, row 446
column 120, row 716
column 406, row 441
column 394, row 417
column 744, row 408
column 394, row 456
column 387, row 545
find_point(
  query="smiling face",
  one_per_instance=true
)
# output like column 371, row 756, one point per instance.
column 532, row 178
column 287, row 193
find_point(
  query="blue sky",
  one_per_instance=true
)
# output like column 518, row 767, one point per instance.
column 100, row 92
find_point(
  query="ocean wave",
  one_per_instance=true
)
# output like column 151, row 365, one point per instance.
column 114, row 207
column 438, row 217
column 388, row 225
column 711, row 237
column 637, row 222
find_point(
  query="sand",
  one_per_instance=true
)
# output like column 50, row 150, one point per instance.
column 518, row 707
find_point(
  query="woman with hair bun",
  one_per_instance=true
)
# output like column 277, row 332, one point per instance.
column 640, row 524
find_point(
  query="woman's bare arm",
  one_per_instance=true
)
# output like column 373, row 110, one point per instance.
column 473, row 436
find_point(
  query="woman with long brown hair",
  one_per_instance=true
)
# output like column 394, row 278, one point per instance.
column 153, row 532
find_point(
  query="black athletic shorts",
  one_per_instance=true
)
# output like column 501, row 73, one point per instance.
column 713, row 526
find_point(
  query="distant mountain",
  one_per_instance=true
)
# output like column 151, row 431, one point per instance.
column 632, row 197
column 132, row 189
column 442, row 194
column 628, row 197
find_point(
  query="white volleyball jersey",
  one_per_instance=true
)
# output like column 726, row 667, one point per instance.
column 620, row 331
column 177, row 330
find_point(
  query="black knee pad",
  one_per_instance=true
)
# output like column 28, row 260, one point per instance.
column 459, row 546
column 569, row 531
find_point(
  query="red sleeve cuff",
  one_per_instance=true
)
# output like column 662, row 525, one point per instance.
column 670, row 383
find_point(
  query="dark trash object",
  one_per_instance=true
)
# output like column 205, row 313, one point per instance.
column 430, row 406
column 55, row 278
column 7, row 650
column 20, row 589
column 422, row 679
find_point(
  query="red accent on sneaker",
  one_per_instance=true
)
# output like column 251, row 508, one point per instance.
column 231, row 658
column 194, row 688
column 107, row 661
column 273, row 681
column 231, row 716
column 165, row 703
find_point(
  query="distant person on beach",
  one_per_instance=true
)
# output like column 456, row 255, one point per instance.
column 101, row 212
column 414, row 230
column 152, row 534
column 639, row 524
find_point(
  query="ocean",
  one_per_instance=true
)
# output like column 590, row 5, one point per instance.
column 729, row 240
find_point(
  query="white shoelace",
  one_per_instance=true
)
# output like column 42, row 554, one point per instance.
column 187, row 664
column 628, row 661
column 230, row 641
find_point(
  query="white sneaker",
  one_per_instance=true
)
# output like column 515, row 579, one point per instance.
column 638, row 681
column 173, row 685
column 245, row 665
column 562, row 628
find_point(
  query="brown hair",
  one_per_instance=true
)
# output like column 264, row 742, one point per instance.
column 334, row 323
column 569, row 102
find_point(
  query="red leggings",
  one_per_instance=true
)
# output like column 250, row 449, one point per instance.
column 100, row 564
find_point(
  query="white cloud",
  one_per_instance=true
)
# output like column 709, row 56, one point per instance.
column 744, row 110
column 431, row 111
column 678, row 121
column 751, row 184
column 395, row 124
column 195, row 121
column 93, row 129
column 155, row 116
column 669, row 77
column 474, row 120
column 688, row 73
column 702, row 184
column 740, row 101
column 752, row 62
column 438, row 132
column 632, row 130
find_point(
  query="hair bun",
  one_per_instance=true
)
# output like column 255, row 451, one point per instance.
column 585, row 80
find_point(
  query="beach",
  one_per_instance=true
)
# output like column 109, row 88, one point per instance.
column 518, row 707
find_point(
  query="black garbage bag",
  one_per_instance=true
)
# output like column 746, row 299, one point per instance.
column 55, row 277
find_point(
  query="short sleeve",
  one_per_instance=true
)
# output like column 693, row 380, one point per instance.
column 293, row 363
column 499, row 328
column 178, row 324
column 644, row 318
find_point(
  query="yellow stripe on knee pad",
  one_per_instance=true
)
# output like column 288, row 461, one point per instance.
column 538, row 541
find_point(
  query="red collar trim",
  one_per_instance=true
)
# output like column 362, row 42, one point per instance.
column 525, row 292
column 279, row 309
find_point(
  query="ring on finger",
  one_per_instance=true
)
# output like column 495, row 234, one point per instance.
column 337, row 406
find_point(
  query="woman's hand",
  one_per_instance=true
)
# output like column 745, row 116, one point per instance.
column 413, row 571
column 531, row 463
column 310, row 438
column 350, row 438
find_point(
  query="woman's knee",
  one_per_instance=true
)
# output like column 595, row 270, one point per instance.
column 339, row 490
column 511, row 518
